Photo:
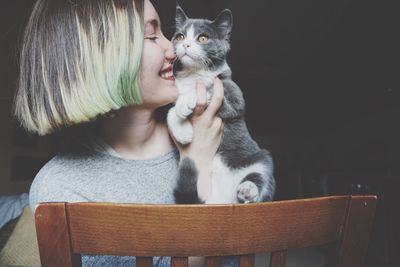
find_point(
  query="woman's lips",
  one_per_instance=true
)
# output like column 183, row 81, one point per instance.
column 172, row 78
column 167, row 73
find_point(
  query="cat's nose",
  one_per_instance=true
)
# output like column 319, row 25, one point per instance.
column 186, row 45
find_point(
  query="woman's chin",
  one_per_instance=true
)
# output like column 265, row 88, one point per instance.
column 170, row 92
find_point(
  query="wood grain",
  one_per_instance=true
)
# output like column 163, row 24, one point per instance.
column 179, row 262
column 247, row 260
column 144, row 262
column 53, row 237
column 65, row 230
column 144, row 230
column 357, row 228
column 278, row 259
column 212, row 261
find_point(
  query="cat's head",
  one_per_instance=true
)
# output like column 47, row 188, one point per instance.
column 201, row 43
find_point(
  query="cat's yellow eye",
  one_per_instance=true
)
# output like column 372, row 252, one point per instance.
column 202, row 39
column 179, row 37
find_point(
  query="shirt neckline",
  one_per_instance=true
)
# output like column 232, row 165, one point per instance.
column 99, row 145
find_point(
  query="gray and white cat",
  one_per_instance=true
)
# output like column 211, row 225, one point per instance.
column 241, row 171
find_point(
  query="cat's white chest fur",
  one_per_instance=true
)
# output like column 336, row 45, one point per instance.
column 187, row 85
column 179, row 126
column 225, row 181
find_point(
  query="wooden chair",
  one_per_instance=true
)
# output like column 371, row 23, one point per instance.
column 65, row 230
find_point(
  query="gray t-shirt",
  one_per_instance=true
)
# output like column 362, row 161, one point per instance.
column 98, row 174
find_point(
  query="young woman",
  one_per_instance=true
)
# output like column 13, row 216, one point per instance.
column 107, row 62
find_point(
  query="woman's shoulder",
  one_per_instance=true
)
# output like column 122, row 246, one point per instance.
column 54, row 182
column 63, row 164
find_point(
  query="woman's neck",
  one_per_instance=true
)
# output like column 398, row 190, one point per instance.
column 134, row 133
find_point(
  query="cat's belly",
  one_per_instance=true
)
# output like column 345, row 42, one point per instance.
column 225, row 180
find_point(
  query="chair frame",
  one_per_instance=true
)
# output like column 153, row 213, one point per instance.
column 66, row 230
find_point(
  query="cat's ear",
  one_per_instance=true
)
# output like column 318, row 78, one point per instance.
column 224, row 22
column 180, row 17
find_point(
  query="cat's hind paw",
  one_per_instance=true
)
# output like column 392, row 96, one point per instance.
column 247, row 192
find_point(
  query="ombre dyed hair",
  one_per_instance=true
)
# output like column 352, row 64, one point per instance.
column 79, row 59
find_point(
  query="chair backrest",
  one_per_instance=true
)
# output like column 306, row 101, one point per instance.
column 65, row 230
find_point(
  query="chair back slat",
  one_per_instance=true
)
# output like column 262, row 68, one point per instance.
column 212, row 261
column 66, row 230
column 53, row 236
column 143, row 230
column 352, row 247
column 247, row 260
column 179, row 262
column 144, row 261
column 278, row 258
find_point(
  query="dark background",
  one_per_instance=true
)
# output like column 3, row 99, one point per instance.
column 321, row 83
column 320, row 78
column 309, row 67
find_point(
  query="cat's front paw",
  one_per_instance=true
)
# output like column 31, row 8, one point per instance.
column 184, row 135
column 247, row 192
column 185, row 106
column 181, row 130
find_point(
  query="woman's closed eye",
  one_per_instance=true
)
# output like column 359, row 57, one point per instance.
column 152, row 37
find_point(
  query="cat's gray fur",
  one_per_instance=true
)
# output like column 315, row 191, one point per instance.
column 239, row 162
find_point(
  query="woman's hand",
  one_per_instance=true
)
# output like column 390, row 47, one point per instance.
column 207, row 127
column 207, row 133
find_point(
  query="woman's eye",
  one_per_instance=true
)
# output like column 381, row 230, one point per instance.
column 179, row 37
column 152, row 38
column 203, row 39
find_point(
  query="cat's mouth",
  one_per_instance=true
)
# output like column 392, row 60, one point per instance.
column 167, row 73
column 186, row 55
column 187, row 59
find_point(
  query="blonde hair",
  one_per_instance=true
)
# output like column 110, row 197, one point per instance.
column 79, row 59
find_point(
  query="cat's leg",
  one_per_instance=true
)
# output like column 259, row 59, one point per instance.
column 180, row 129
column 258, row 186
column 186, row 188
column 233, row 105
column 185, row 104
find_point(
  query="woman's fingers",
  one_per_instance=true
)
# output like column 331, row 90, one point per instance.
column 218, row 124
column 201, row 103
column 217, row 98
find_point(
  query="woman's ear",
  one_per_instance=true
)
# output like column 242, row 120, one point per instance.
column 180, row 17
column 224, row 23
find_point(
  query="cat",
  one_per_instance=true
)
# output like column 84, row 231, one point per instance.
column 241, row 171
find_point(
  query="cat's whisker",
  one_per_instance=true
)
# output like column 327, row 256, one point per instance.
column 206, row 63
column 215, row 55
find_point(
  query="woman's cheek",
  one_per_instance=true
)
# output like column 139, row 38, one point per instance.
column 173, row 97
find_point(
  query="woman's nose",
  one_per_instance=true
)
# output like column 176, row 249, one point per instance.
column 169, row 51
column 170, row 55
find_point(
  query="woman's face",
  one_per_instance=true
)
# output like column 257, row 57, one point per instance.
column 157, row 81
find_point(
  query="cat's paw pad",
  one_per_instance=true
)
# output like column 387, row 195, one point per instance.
column 185, row 135
column 247, row 192
column 185, row 106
